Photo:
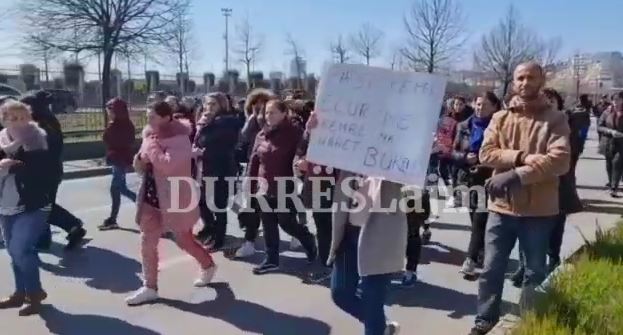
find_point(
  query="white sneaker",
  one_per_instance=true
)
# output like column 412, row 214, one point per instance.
column 392, row 328
column 143, row 295
column 295, row 244
column 246, row 250
column 205, row 277
column 469, row 267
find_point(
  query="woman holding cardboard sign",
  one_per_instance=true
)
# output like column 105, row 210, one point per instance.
column 367, row 247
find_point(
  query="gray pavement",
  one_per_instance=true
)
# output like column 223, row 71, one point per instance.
column 87, row 287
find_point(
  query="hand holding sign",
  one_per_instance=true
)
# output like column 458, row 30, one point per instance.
column 376, row 122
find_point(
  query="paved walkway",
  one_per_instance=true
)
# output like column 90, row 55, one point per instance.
column 87, row 287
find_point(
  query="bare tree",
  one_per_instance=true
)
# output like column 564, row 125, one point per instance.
column 296, row 52
column 248, row 48
column 367, row 42
column 435, row 32
column 549, row 52
column 177, row 41
column 397, row 59
column 100, row 26
column 506, row 46
column 339, row 50
column 38, row 47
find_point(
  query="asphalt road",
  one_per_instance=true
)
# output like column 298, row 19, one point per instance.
column 87, row 287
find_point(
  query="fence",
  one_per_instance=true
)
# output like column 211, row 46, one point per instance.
column 89, row 125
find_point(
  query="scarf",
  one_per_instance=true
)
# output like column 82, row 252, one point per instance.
column 537, row 105
column 478, row 126
column 29, row 137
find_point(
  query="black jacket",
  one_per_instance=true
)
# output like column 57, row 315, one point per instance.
column 218, row 139
column 468, row 175
column 33, row 184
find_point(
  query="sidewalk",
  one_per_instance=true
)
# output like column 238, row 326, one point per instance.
column 85, row 168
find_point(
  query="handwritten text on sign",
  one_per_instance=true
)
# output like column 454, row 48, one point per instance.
column 376, row 122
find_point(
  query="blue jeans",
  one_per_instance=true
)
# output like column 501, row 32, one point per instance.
column 21, row 233
column 502, row 232
column 118, row 187
column 369, row 307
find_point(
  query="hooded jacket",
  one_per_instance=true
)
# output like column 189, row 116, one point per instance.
column 169, row 153
column 119, row 135
column 43, row 116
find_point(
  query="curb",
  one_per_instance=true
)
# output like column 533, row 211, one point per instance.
column 506, row 325
column 86, row 173
column 90, row 172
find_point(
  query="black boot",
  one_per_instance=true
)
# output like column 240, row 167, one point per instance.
column 75, row 238
column 517, row 277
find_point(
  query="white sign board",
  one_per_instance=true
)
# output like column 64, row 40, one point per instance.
column 376, row 122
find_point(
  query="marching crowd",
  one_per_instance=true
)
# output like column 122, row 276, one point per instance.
column 514, row 160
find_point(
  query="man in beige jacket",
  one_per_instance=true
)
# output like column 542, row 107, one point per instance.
column 527, row 146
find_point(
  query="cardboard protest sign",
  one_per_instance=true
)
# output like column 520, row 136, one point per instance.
column 376, row 122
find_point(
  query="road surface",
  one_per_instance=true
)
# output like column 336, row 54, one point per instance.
column 87, row 287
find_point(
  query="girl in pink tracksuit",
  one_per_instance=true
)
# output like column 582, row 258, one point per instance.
column 166, row 153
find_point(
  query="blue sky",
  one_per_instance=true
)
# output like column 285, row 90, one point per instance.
column 586, row 26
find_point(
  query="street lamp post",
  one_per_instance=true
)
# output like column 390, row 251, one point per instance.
column 226, row 13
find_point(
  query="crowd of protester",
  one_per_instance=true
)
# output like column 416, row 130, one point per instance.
column 511, row 164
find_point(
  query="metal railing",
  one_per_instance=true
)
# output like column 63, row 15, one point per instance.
column 88, row 124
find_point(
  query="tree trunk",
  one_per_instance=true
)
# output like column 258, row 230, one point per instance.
column 249, row 84
column 505, row 88
column 108, row 54
column 181, row 76
column 47, row 70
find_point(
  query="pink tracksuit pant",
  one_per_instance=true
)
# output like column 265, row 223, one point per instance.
column 152, row 228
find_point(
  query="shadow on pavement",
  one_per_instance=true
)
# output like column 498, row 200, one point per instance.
column 440, row 253
column 288, row 265
column 61, row 323
column 103, row 269
column 603, row 206
column 248, row 316
column 591, row 187
column 450, row 226
column 429, row 296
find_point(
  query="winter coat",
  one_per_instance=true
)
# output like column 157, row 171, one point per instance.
column 218, row 139
column 469, row 175
column 568, row 197
column 248, row 134
column 41, row 113
column 580, row 123
column 26, row 187
column 528, row 127
column 607, row 126
column 273, row 154
column 169, row 152
column 119, row 135
column 382, row 239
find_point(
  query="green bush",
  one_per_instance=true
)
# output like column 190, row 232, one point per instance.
column 587, row 299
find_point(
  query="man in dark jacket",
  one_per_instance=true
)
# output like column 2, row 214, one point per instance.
column 59, row 216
